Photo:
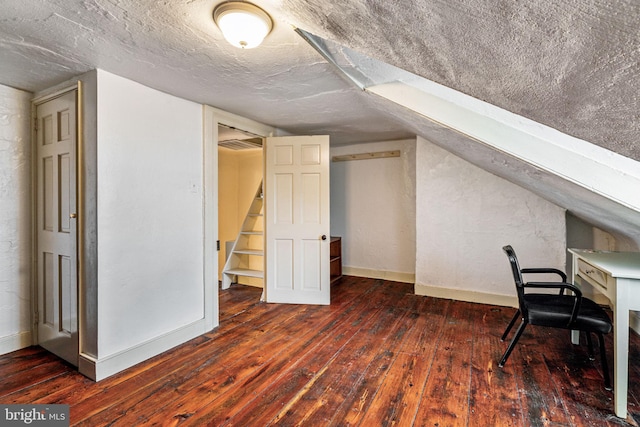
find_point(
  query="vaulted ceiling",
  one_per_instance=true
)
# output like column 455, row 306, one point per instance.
column 572, row 65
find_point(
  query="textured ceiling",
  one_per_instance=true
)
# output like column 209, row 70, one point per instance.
column 174, row 46
column 573, row 65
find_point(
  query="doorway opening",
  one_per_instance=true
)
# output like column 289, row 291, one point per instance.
column 240, row 210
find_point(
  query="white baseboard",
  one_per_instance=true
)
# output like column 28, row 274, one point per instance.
column 100, row 368
column 465, row 295
column 15, row 342
column 394, row 276
column 502, row 300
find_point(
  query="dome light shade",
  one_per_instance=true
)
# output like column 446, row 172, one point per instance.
column 243, row 24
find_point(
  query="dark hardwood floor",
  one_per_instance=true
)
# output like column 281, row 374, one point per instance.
column 378, row 356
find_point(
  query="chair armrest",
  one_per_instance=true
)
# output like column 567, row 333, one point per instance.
column 545, row 270
column 555, row 285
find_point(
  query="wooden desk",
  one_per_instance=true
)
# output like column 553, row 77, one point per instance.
column 617, row 276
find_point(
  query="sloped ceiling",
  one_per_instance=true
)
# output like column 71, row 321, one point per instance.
column 573, row 65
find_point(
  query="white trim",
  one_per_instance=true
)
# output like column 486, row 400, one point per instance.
column 99, row 369
column 55, row 92
column 395, row 276
column 210, row 217
column 222, row 117
column 466, row 295
column 212, row 117
column 15, row 342
column 600, row 170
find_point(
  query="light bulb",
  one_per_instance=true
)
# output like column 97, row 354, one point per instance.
column 242, row 24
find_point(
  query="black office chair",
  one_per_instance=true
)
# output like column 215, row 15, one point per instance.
column 572, row 312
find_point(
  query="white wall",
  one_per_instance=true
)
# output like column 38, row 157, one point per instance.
column 149, row 218
column 464, row 215
column 373, row 210
column 15, row 219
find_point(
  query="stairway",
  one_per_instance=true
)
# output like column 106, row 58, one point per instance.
column 247, row 254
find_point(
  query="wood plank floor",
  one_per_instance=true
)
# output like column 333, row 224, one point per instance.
column 378, row 356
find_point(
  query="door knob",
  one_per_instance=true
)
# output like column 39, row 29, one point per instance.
column 324, row 237
column 73, row 215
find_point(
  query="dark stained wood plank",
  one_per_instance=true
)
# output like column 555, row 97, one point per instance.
column 49, row 368
column 360, row 399
column 576, row 379
column 189, row 393
column 36, row 393
column 234, row 303
column 219, row 350
column 493, row 396
column 20, row 361
column 240, row 389
column 378, row 355
column 541, row 401
column 398, row 394
column 327, row 392
column 263, row 400
column 446, row 396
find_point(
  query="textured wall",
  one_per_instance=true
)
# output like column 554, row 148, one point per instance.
column 15, row 219
column 465, row 215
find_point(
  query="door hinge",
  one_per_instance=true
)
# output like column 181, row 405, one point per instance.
column 35, row 124
column 217, row 245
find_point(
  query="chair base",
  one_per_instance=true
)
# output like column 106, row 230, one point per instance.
column 523, row 325
column 514, row 340
column 511, row 323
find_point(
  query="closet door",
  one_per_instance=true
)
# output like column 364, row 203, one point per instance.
column 57, row 313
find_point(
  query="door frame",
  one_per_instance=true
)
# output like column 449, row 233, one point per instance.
column 80, row 259
column 212, row 118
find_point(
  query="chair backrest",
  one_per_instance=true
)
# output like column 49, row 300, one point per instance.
column 517, row 276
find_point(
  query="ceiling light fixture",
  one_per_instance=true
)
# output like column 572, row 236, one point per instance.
column 243, row 24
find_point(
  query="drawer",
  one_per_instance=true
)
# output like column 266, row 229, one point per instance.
column 592, row 274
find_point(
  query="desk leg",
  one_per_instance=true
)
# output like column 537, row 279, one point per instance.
column 621, row 349
column 575, row 337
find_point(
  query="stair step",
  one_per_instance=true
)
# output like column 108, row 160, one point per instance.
column 245, row 246
column 245, row 272
column 249, row 252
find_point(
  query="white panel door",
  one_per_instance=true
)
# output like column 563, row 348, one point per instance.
column 297, row 220
column 56, row 217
